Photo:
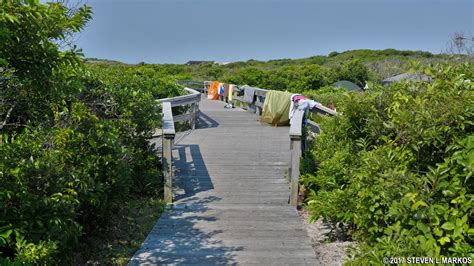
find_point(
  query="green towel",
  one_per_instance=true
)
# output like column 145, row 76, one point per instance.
column 276, row 108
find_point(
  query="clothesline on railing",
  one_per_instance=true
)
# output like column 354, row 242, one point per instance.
column 253, row 96
column 254, row 99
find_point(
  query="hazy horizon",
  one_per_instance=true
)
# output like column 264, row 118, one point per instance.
column 245, row 60
column 177, row 31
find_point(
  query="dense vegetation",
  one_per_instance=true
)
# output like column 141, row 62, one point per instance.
column 73, row 137
column 296, row 75
column 394, row 171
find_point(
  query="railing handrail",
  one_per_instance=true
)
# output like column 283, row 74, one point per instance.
column 193, row 96
column 167, row 121
column 169, row 132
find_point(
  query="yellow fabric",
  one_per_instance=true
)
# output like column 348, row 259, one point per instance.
column 231, row 91
column 276, row 108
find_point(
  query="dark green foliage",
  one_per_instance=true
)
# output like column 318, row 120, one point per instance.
column 354, row 71
column 291, row 77
column 73, row 143
column 249, row 75
column 30, row 33
column 328, row 95
column 312, row 77
column 396, row 167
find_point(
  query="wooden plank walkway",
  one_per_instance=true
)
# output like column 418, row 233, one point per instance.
column 231, row 197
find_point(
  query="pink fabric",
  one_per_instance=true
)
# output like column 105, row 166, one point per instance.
column 297, row 98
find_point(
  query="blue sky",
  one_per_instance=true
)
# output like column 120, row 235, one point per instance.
column 175, row 31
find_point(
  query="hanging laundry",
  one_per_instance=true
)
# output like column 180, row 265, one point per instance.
column 226, row 91
column 306, row 104
column 276, row 108
column 231, row 91
column 297, row 97
column 299, row 102
column 240, row 90
column 213, row 91
column 221, row 89
column 249, row 93
column 207, row 84
column 294, row 103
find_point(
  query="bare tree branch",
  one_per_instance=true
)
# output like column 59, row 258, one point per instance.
column 460, row 44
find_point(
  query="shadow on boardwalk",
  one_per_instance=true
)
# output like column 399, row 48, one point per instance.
column 176, row 240
column 191, row 173
column 205, row 121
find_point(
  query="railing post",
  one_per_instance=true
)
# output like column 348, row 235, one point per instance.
column 167, row 156
column 195, row 112
column 168, row 168
column 193, row 119
column 295, row 146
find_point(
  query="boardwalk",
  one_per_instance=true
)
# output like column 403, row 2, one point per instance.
column 231, row 197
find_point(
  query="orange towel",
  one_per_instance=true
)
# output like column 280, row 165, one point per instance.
column 213, row 92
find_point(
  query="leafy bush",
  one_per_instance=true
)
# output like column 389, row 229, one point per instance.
column 395, row 169
column 73, row 136
column 328, row 95
column 354, row 71
column 30, row 35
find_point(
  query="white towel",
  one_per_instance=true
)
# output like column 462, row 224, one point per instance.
column 293, row 106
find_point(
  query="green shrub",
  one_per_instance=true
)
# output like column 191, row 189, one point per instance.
column 395, row 168
column 73, row 143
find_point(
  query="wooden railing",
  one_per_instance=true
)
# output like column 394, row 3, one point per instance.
column 167, row 157
column 169, row 132
column 192, row 99
column 297, row 138
column 258, row 99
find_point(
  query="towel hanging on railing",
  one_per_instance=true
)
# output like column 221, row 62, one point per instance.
column 276, row 108
column 249, row 93
column 213, row 92
column 294, row 99
column 231, row 91
column 300, row 102
column 226, row 91
column 221, row 88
